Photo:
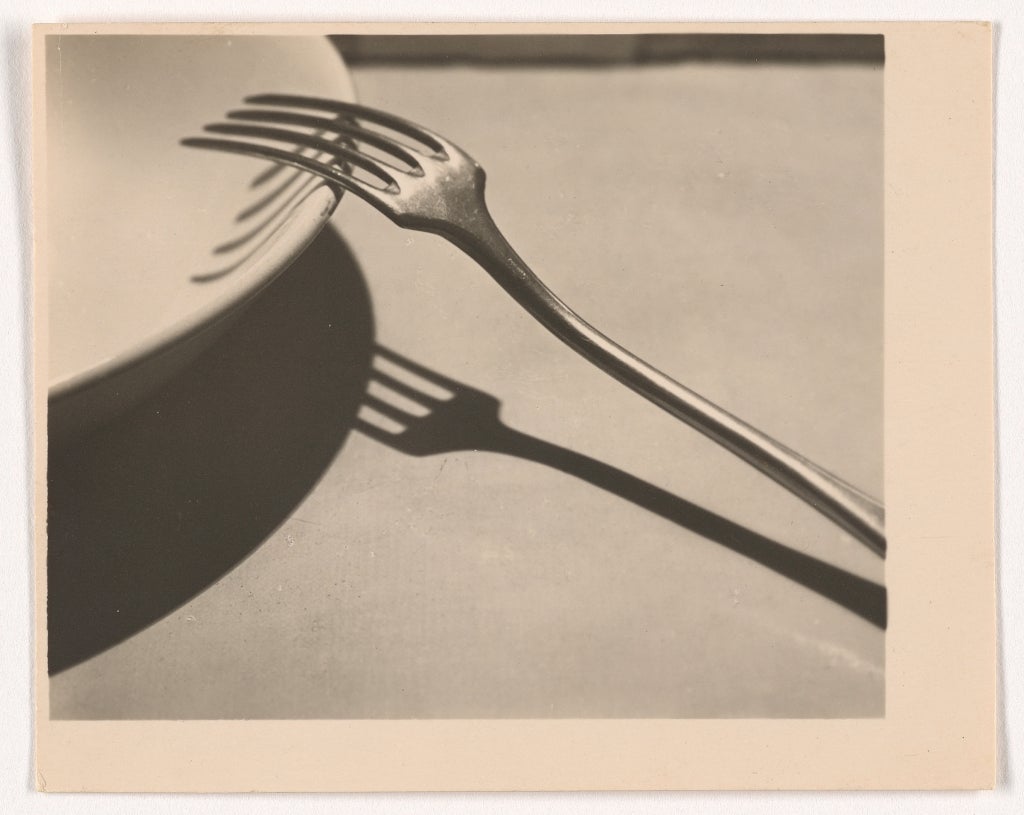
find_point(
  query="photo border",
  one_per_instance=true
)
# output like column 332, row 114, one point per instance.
column 939, row 729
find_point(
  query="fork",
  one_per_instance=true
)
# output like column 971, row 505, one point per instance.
column 422, row 181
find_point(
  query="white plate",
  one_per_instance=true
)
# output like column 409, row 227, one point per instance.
column 147, row 244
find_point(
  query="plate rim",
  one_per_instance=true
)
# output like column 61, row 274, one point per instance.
column 295, row 233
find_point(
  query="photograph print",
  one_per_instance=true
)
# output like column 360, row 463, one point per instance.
column 464, row 376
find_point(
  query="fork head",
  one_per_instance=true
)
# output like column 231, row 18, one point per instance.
column 416, row 177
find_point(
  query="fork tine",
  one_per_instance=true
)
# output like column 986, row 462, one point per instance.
column 334, row 149
column 437, row 379
column 432, row 140
column 272, row 170
column 330, row 173
column 338, row 126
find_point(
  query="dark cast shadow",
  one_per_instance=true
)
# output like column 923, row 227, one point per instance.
column 451, row 416
column 148, row 511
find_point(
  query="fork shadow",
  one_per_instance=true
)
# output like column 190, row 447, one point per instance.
column 469, row 420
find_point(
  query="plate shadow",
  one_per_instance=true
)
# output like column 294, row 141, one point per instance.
column 147, row 511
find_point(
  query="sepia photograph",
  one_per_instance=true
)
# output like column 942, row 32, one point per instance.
column 337, row 430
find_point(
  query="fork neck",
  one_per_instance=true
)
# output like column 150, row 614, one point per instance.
column 471, row 228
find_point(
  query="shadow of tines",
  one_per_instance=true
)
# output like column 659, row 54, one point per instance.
column 420, row 412
column 274, row 208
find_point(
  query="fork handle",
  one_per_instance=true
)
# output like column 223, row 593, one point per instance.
column 859, row 514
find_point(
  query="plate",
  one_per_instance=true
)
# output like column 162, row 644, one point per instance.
column 148, row 245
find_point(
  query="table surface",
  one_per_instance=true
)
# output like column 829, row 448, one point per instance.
column 251, row 549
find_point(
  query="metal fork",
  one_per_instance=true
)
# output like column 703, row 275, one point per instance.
column 423, row 181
